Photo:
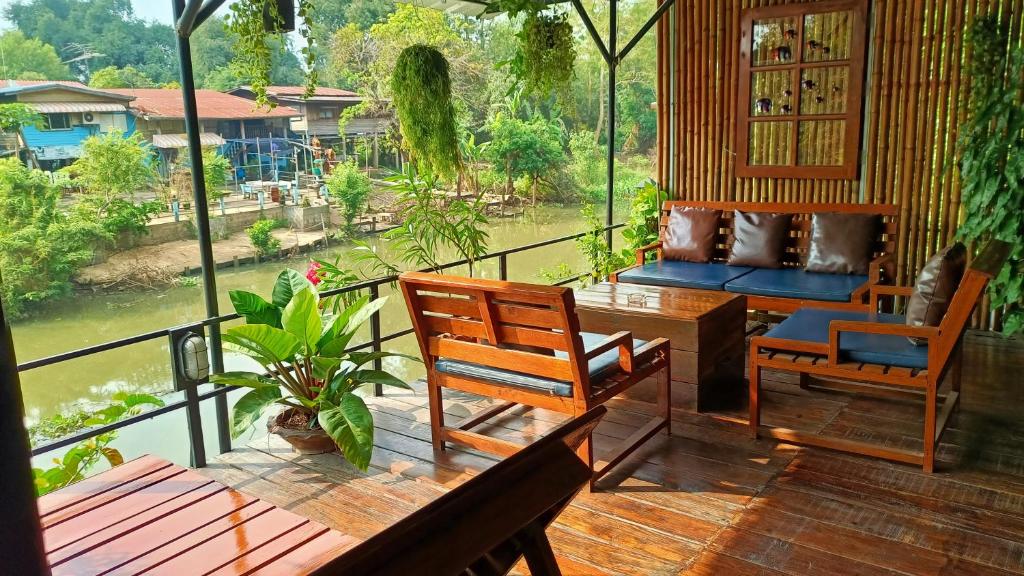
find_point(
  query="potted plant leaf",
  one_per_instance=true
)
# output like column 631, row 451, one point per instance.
column 301, row 346
column 545, row 57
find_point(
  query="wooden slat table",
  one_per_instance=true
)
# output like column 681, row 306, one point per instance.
column 149, row 515
column 705, row 329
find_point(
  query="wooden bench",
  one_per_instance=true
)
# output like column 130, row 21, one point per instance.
column 484, row 527
column 873, row 348
column 882, row 269
column 521, row 343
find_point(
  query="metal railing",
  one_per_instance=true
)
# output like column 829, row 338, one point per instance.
column 192, row 399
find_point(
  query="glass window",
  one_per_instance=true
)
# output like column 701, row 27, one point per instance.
column 57, row 122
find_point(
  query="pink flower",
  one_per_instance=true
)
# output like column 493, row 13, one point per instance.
column 313, row 273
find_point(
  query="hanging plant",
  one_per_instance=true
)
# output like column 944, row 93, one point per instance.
column 547, row 54
column 422, row 92
column 256, row 24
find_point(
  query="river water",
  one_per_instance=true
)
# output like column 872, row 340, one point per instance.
column 88, row 319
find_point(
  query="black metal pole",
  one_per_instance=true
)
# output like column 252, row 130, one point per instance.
column 613, row 62
column 21, row 534
column 195, row 149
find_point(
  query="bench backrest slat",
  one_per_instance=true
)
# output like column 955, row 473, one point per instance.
column 506, row 325
column 798, row 240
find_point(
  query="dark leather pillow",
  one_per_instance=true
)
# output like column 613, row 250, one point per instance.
column 841, row 243
column 690, row 234
column 759, row 239
column 936, row 284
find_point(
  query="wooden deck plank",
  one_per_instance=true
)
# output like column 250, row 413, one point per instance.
column 710, row 500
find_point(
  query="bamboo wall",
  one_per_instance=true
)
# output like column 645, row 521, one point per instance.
column 912, row 106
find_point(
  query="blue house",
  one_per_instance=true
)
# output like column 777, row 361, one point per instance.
column 71, row 113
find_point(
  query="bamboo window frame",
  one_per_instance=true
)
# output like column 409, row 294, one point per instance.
column 852, row 116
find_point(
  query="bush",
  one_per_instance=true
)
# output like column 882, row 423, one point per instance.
column 40, row 247
column 351, row 187
column 262, row 238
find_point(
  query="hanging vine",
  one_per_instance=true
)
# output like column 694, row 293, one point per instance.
column 545, row 57
column 254, row 25
column 422, row 92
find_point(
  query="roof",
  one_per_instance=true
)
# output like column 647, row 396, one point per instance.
column 300, row 90
column 181, row 140
column 479, row 8
column 167, row 103
column 294, row 94
column 66, row 107
column 27, row 86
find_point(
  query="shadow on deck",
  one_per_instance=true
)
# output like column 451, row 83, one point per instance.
column 709, row 500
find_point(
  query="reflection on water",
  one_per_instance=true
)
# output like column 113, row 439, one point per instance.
column 89, row 319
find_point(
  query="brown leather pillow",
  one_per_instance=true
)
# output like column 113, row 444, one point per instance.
column 936, row 284
column 841, row 243
column 690, row 234
column 759, row 239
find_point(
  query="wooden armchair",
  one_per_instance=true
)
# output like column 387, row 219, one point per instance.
column 874, row 348
column 521, row 343
column 486, row 525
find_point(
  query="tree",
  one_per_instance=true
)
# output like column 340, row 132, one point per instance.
column 40, row 247
column 212, row 48
column 351, row 186
column 525, row 148
column 15, row 116
column 30, row 59
column 112, row 169
column 93, row 34
column 114, row 77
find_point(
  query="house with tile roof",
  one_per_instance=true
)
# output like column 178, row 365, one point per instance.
column 160, row 115
column 71, row 113
column 319, row 114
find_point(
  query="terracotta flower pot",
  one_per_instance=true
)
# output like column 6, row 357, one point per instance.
column 303, row 440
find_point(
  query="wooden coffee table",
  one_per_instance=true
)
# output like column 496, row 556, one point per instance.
column 705, row 329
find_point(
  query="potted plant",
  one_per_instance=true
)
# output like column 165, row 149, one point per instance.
column 301, row 346
column 422, row 91
column 545, row 57
column 259, row 27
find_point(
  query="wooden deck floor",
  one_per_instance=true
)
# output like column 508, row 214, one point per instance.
column 709, row 500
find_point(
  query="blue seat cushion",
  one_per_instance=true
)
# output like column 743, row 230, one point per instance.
column 797, row 283
column 811, row 325
column 601, row 367
column 705, row 276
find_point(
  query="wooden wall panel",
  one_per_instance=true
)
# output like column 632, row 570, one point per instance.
column 913, row 106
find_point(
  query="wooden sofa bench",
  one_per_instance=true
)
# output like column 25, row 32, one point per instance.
column 874, row 349
column 779, row 290
column 521, row 343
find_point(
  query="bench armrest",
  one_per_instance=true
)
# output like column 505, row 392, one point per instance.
column 835, row 327
column 621, row 340
column 641, row 253
column 876, row 290
column 883, row 262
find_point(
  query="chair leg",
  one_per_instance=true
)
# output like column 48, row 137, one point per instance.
column 665, row 394
column 956, row 371
column 755, row 390
column 930, row 407
column 436, row 413
column 586, row 453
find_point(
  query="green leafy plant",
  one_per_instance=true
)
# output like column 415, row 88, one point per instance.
column 644, row 215
column 595, row 249
column 215, row 170
column 546, row 55
column 991, row 150
column 422, row 92
column 262, row 238
column 303, row 349
column 352, row 187
column 257, row 29
column 13, row 117
column 431, row 223
column 77, row 461
column 327, row 275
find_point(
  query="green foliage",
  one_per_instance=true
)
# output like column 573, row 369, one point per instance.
column 254, row 48
column 595, row 249
column 525, row 147
column 644, row 216
column 29, row 59
column 113, row 165
column 262, row 238
column 77, row 461
column 544, row 62
column 587, row 160
column 327, row 275
column 40, row 247
column 215, row 169
column 430, row 225
column 351, row 186
column 422, row 95
column 14, row 116
column 93, row 34
column 991, row 150
column 114, row 77
column 305, row 352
